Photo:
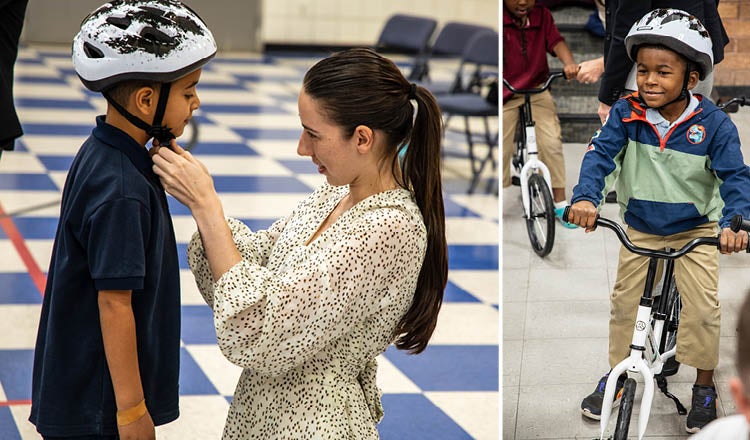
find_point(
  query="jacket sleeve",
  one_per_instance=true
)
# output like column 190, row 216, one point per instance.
column 601, row 162
column 252, row 246
column 729, row 166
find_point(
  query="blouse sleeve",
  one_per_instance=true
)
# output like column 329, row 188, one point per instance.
column 252, row 246
column 271, row 322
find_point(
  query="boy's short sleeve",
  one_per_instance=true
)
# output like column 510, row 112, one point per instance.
column 118, row 234
column 551, row 34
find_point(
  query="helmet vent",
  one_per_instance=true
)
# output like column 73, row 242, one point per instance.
column 121, row 22
column 92, row 51
column 154, row 35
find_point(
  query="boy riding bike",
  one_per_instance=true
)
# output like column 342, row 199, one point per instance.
column 679, row 174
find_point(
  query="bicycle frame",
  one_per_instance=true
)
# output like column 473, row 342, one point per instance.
column 532, row 164
column 648, row 328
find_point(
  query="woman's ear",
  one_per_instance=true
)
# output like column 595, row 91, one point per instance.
column 144, row 100
column 365, row 138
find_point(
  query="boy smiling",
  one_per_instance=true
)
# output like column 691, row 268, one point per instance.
column 679, row 175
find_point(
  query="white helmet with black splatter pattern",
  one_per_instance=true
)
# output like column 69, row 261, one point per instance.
column 677, row 30
column 153, row 40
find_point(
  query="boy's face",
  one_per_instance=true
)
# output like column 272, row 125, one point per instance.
column 519, row 8
column 661, row 73
column 183, row 101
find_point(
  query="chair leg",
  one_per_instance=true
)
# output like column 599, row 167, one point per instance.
column 491, row 148
column 476, row 169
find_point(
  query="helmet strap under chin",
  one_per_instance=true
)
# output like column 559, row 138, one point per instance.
column 158, row 131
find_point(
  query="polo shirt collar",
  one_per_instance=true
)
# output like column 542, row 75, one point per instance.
column 122, row 141
column 533, row 18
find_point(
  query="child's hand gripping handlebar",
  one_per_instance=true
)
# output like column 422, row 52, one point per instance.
column 689, row 246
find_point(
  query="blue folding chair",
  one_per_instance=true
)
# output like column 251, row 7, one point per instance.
column 407, row 34
column 482, row 52
column 451, row 42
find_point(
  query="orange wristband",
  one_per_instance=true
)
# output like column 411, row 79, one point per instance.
column 130, row 415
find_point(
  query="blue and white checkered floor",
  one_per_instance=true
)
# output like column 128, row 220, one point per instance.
column 248, row 134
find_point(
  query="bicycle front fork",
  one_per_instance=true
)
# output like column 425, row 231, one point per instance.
column 532, row 165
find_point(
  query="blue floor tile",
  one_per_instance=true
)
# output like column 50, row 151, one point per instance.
column 72, row 104
column 450, row 367
column 300, row 166
column 453, row 293
column 242, row 108
column 192, row 379
column 267, row 133
column 15, row 373
column 260, row 184
column 18, row 288
column 198, row 325
column 58, row 129
column 34, row 227
column 414, row 417
column 476, row 257
column 26, row 79
column 40, row 182
column 56, row 163
column 453, row 209
column 223, row 148
column 8, row 429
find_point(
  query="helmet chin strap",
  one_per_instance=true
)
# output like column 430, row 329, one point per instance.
column 157, row 131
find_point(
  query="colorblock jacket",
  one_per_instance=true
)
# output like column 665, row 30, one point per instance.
column 666, row 185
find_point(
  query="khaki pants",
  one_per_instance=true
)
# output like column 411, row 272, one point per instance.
column 548, row 137
column 697, row 278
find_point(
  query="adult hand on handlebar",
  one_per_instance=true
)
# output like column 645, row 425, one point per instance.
column 730, row 241
column 583, row 214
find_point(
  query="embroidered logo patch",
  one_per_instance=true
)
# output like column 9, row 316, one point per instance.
column 695, row 134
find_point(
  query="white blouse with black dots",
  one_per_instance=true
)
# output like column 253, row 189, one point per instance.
column 307, row 321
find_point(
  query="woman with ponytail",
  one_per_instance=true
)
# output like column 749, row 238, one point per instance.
column 307, row 305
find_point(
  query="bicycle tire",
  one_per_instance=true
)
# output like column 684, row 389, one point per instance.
column 540, row 223
column 671, row 325
column 626, row 410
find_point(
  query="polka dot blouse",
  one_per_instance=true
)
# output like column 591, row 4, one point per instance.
column 307, row 321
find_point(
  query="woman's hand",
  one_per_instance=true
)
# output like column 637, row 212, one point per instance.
column 184, row 177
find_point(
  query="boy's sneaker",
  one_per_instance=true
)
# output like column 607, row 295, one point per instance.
column 591, row 406
column 559, row 213
column 704, row 408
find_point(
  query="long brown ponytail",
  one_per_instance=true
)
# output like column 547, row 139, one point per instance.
column 360, row 87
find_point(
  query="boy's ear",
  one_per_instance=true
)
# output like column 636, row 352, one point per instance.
column 693, row 79
column 144, row 99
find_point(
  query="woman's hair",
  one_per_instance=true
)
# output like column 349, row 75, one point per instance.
column 359, row 87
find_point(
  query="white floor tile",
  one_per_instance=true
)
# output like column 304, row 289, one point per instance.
column 18, row 325
column 12, row 263
column 201, row 417
column 467, row 230
column 222, row 373
column 475, row 412
column 483, row 284
column 243, row 166
column 20, row 162
column 466, row 324
column 391, row 380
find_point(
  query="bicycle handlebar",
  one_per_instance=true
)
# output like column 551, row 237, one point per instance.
column 545, row 86
column 740, row 100
column 689, row 246
column 739, row 223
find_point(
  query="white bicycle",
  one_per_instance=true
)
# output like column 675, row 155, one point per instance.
column 653, row 346
column 533, row 175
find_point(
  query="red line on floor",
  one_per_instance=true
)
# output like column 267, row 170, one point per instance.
column 36, row 274
column 15, row 402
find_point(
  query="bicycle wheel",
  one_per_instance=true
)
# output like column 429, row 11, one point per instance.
column 671, row 324
column 626, row 410
column 540, row 224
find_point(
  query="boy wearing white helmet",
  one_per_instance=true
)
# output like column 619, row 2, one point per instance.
column 106, row 362
column 676, row 163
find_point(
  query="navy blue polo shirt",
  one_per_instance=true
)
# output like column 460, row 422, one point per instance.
column 114, row 233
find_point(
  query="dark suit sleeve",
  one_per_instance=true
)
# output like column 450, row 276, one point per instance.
column 617, row 65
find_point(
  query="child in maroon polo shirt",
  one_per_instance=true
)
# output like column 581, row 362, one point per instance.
column 529, row 32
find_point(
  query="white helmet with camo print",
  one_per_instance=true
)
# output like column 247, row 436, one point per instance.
column 677, row 30
column 150, row 40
